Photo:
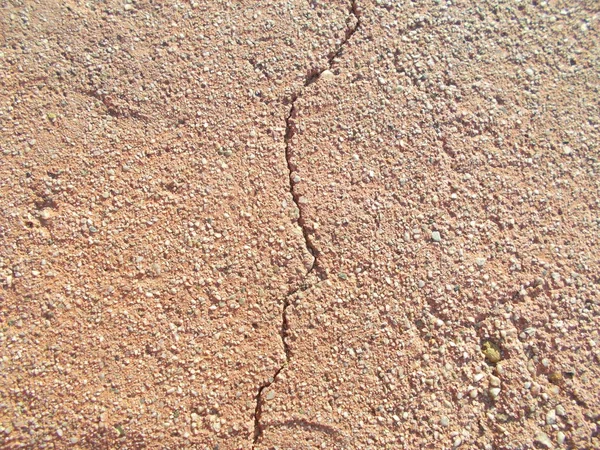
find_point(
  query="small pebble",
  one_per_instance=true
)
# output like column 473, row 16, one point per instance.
column 491, row 352
column 435, row 236
column 444, row 421
column 551, row 417
column 560, row 411
column 494, row 392
column 543, row 439
column 327, row 75
column 560, row 438
column 499, row 369
column 555, row 378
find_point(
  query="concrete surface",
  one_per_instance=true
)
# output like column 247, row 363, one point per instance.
column 299, row 224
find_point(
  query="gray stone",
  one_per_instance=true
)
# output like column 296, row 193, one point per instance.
column 551, row 417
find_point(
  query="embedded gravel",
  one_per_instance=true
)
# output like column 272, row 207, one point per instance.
column 307, row 224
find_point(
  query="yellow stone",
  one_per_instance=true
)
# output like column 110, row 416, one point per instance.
column 491, row 352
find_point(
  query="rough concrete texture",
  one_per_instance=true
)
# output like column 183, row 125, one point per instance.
column 300, row 224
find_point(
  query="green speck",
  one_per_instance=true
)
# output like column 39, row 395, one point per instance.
column 342, row 276
column 120, row 430
column 51, row 116
column 491, row 352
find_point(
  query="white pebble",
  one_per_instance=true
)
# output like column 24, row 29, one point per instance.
column 327, row 75
column 494, row 392
column 542, row 438
column 551, row 417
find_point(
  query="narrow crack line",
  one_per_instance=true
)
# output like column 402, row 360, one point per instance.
column 283, row 333
column 290, row 130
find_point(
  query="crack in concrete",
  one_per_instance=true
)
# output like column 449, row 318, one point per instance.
column 290, row 130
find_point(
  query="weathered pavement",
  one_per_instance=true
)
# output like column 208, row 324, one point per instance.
column 294, row 226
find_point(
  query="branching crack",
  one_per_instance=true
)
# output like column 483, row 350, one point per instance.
column 290, row 130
